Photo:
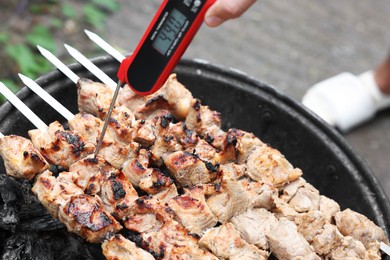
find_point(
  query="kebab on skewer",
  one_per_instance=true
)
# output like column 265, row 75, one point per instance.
column 221, row 189
column 175, row 203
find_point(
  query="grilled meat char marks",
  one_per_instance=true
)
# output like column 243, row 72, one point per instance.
column 85, row 216
column 21, row 159
column 59, row 146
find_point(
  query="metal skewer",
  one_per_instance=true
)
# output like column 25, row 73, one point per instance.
column 1, row 135
column 385, row 248
column 27, row 112
column 91, row 67
column 31, row 84
column 58, row 64
column 105, row 46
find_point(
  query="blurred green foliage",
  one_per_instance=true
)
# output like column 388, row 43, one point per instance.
column 19, row 53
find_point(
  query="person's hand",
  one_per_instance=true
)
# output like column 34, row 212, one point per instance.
column 224, row 10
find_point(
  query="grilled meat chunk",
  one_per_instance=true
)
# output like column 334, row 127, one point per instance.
column 310, row 224
column 89, row 127
column 306, row 199
column 137, row 168
column 143, row 133
column 265, row 164
column 225, row 242
column 192, row 210
column 165, row 195
column 165, row 142
column 53, row 192
column 205, row 122
column 260, row 195
column 349, row 248
column 329, row 208
column 172, row 241
column 184, row 136
column 21, row 159
column 60, row 147
column 327, row 240
column 230, row 200
column 286, row 243
column 120, row 248
column 358, row 226
column 253, row 226
column 87, row 170
column 143, row 223
column 188, row 169
column 154, row 182
column 93, row 98
column 84, row 215
column 120, row 124
column 117, row 194
column 118, row 153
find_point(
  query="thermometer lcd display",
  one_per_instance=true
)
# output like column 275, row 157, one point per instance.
column 169, row 31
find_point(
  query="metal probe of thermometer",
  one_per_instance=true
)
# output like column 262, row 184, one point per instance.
column 160, row 49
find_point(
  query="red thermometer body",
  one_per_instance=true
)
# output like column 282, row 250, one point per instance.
column 163, row 44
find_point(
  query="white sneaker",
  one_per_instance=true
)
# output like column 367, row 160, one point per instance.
column 345, row 100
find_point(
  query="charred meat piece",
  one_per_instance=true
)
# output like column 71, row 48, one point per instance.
column 143, row 133
column 286, row 243
column 265, row 164
column 232, row 171
column 165, row 142
column 120, row 248
column 60, row 147
column 205, row 122
column 165, row 195
column 84, row 215
column 225, row 242
column 118, row 153
column 188, row 169
column 120, row 125
column 172, row 241
column 358, row 226
column 192, row 211
column 117, row 194
column 143, row 223
column 137, row 168
column 253, row 226
column 186, row 138
column 21, row 159
column 239, row 144
column 155, row 181
column 53, row 192
column 87, row 169
column 93, row 98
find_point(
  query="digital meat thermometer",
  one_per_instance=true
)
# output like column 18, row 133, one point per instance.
column 160, row 49
column 163, row 44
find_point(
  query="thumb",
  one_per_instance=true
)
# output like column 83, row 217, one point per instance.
column 224, row 10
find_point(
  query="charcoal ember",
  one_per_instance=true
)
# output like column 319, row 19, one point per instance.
column 9, row 202
column 58, row 244
column 42, row 223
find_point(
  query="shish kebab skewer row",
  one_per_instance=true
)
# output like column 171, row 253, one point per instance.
column 108, row 48
column 61, row 177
